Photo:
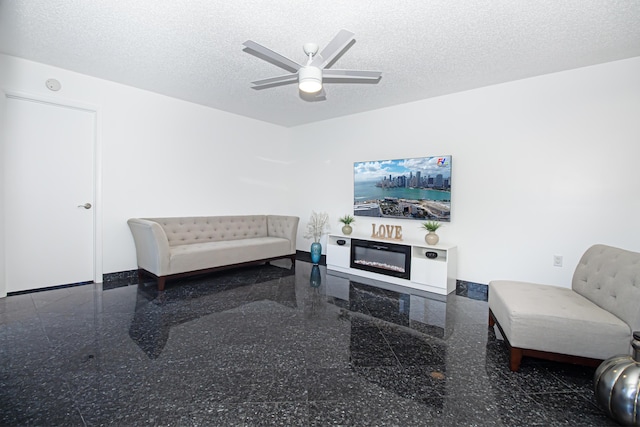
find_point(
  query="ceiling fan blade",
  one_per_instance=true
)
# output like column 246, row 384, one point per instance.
column 287, row 78
column 351, row 74
column 271, row 56
column 333, row 49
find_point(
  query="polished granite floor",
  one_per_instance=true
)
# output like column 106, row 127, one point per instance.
column 271, row 346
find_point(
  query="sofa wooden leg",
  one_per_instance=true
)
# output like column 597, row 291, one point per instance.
column 161, row 282
column 140, row 276
column 515, row 357
column 492, row 321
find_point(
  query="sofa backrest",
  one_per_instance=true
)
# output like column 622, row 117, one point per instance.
column 610, row 278
column 188, row 230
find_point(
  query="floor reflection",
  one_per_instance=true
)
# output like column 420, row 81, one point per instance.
column 271, row 345
column 157, row 312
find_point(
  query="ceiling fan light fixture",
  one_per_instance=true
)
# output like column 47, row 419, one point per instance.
column 310, row 75
column 310, row 79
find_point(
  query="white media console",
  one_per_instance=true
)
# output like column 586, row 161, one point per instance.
column 437, row 275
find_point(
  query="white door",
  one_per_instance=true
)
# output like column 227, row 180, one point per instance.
column 49, row 194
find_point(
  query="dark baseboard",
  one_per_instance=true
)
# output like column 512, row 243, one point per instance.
column 119, row 279
column 30, row 291
column 464, row 288
column 119, row 276
column 306, row 257
column 472, row 290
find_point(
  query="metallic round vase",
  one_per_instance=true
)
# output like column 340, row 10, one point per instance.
column 347, row 229
column 616, row 385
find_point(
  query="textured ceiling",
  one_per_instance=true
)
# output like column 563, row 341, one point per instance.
column 192, row 49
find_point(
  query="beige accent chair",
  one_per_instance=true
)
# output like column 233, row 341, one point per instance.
column 592, row 321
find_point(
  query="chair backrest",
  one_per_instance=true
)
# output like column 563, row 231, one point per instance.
column 610, row 278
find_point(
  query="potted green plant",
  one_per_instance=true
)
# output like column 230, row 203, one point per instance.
column 347, row 220
column 431, row 226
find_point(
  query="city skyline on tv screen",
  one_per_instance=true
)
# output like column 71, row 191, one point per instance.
column 413, row 188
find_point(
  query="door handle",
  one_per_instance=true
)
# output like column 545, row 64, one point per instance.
column 86, row 206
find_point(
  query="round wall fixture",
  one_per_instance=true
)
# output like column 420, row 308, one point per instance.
column 53, row 84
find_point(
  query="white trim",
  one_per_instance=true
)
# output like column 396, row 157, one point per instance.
column 97, row 198
column 97, row 169
column 50, row 100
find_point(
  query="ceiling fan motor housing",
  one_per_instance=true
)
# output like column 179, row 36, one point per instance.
column 310, row 79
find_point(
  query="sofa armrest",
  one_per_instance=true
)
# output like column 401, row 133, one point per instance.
column 285, row 227
column 152, row 246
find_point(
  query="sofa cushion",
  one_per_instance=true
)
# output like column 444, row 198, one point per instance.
column 555, row 319
column 199, row 256
column 610, row 277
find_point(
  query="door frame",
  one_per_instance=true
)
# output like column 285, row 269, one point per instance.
column 97, row 174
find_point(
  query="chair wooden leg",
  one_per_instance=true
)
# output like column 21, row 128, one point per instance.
column 492, row 321
column 515, row 357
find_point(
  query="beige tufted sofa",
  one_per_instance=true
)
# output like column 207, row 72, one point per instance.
column 592, row 321
column 173, row 247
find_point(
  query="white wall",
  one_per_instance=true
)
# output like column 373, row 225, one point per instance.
column 542, row 166
column 3, row 287
column 161, row 156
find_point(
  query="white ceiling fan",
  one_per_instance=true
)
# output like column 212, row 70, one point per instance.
column 311, row 75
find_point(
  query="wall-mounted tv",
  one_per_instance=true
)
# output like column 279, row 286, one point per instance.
column 416, row 188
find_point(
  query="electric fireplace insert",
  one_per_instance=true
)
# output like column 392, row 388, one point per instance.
column 387, row 258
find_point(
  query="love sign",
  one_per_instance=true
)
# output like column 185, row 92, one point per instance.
column 385, row 231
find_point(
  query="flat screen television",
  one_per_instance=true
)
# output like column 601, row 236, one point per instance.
column 416, row 188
